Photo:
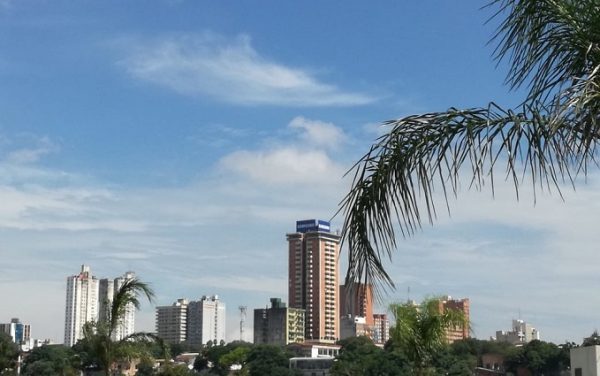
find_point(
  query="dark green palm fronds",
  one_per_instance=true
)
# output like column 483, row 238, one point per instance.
column 548, row 43
column 98, row 336
column 128, row 294
column 553, row 47
column 396, row 181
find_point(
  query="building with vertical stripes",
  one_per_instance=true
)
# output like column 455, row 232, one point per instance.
column 313, row 278
column 81, row 304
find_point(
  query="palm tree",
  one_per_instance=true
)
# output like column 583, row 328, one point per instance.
column 553, row 48
column 98, row 337
column 420, row 330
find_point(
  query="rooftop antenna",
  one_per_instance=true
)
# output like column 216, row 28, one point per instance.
column 243, row 310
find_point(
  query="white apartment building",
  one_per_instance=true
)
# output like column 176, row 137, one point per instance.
column 206, row 321
column 81, row 304
column 522, row 332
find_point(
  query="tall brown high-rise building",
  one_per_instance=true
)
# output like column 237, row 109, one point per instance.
column 313, row 273
column 461, row 331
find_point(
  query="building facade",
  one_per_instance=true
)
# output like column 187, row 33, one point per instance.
column 354, row 326
column 460, row 331
column 357, row 301
column 381, row 329
column 585, row 361
column 278, row 325
column 206, row 321
column 19, row 332
column 81, row 304
column 521, row 333
column 312, row 281
column 171, row 322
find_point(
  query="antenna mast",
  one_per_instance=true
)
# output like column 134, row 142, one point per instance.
column 243, row 310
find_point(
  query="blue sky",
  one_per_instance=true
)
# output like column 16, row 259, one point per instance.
column 182, row 139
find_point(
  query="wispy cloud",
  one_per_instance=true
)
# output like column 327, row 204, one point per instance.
column 42, row 147
column 230, row 70
column 25, row 148
column 319, row 133
column 302, row 161
column 284, row 166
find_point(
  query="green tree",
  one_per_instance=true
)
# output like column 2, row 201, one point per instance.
column 268, row 360
column 593, row 340
column 470, row 350
column 145, row 367
column 448, row 362
column 360, row 357
column 223, row 356
column 540, row 358
column 50, row 360
column 551, row 47
column 175, row 370
column 98, row 345
column 420, row 331
column 200, row 363
column 237, row 356
column 9, row 353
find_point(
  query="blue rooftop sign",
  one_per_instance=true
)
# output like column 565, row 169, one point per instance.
column 312, row 225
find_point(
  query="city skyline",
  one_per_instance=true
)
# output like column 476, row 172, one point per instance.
column 183, row 139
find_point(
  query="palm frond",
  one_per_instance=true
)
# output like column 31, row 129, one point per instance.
column 552, row 46
column 396, row 183
column 137, row 345
column 548, row 43
column 421, row 330
column 128, row 295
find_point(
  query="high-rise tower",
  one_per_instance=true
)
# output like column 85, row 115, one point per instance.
column 171, row 322
column 313, row 274
column 206, row 321
column 81, row 304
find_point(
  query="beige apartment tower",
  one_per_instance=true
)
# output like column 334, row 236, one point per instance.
column 313, row 275
column 459, row 332
column 171, row 322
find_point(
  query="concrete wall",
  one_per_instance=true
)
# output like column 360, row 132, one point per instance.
column 585, row 361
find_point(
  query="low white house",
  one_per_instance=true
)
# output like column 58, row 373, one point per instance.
column 585, row 361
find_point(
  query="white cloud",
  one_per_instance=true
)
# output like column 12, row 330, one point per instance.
column 43, row 146
column 285, row 166
column 319, row 133
column 230, row 70
column 25, row 148
column 375, row 129
column 303, row 161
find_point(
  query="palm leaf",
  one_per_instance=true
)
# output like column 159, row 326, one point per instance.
column 552, row 46
column 128, row 294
